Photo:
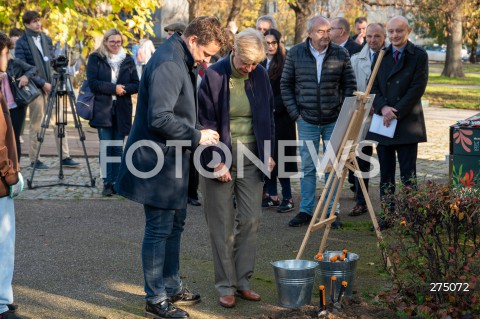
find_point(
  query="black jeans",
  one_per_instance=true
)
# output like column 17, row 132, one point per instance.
column 18, row 118
column 407, row 160
column 364, row 167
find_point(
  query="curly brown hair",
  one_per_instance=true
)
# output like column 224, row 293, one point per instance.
column 207, row 29
column 5, row 41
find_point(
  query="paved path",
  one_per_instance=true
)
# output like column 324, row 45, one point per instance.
column 432, row 161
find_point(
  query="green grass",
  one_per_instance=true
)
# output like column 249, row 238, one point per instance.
column 469, row 79
column 447, row 97
column 467, row 67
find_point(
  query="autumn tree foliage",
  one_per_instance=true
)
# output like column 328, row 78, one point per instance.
column 82, row 21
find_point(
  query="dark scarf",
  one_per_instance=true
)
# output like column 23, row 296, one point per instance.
column 42, row 66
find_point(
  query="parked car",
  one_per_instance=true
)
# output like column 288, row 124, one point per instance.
column 438, row 53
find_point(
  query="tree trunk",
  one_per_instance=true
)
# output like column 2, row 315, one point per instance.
column 192, row 9
column 235, row 11
column 303, row 10
column 453, row 61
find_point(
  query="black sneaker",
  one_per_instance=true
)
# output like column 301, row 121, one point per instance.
column 38, row 165
column 269, row 202
column 107, row 190
column 9, row 315
column 186, row 298
column 12, row 307
column 337, row 224
column 194, row 202
column 300, row 220
column 382, row 224
column 164, row 309
column 69, row 162
column 286, row 206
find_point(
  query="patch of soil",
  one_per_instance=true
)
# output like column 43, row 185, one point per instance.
column 353, row 308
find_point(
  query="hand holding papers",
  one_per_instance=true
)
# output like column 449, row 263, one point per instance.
column 378, row 127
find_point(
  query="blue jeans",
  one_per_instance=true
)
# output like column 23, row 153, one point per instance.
column 7, row 251
column 161, row 252
column 308, row 184
column 272, row 187
column 111, row 134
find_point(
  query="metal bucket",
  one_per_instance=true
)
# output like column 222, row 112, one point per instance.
column 294, row 278
column 343, row 270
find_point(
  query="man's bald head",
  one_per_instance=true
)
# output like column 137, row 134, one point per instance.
column 398, row 31
column 399, row 19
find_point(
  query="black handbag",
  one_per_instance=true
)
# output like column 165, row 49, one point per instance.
column 26, row 94
column 85, row 102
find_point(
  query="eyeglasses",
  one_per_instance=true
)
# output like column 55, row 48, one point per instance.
column 336, row 28
column 115, row 42
column 273, row 43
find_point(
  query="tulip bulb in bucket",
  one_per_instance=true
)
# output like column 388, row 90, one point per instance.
column 340, row 264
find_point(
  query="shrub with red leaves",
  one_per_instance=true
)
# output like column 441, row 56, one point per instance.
column 435, row 233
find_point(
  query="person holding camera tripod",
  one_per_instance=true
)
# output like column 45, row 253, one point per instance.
column 35, row 48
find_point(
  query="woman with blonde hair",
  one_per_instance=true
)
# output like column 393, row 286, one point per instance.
column 112, row 76
column 235, row 99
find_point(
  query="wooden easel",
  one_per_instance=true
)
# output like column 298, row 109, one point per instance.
column 345, row 160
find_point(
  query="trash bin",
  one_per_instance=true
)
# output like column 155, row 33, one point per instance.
column 294, row 279
column 343, row 270
column 464, row 166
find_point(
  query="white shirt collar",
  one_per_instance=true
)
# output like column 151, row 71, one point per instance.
column 315, row 51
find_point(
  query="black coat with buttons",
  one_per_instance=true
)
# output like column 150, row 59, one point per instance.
column 401, row 85
column 99, row 75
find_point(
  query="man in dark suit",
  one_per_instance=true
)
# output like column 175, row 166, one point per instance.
column 151, row 174
column 398, row 87
column 340, row 35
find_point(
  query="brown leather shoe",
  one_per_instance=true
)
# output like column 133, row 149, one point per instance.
column 227, row 301
column 249, row 295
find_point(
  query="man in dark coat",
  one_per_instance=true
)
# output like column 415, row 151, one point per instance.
column 340, row 35
column 400, row 83
column 316, row 78
column 35, row 48
column 155, row 164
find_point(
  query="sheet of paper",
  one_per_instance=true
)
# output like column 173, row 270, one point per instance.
column 377, row 126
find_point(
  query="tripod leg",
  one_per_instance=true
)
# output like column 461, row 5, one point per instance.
column 41, row 135
column 78, row 126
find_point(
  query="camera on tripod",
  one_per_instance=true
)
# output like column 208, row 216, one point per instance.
column 59, row 63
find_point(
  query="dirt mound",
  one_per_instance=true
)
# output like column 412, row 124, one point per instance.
column 352, row 309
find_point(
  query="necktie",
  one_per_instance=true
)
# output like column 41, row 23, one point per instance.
column 374, row 55
column 395, row 56
column 202, row 69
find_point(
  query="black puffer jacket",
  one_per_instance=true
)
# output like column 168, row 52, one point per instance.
column 317, row 103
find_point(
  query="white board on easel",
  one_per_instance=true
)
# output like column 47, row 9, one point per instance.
column 349, row 106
